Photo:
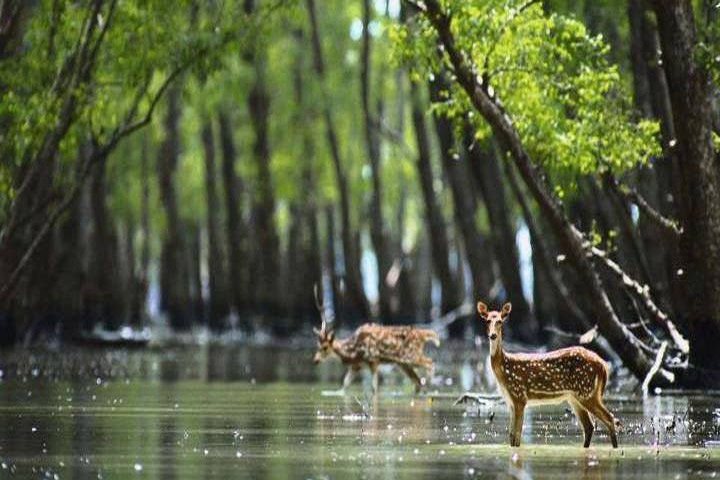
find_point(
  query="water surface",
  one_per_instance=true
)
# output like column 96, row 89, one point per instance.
column 255, row 412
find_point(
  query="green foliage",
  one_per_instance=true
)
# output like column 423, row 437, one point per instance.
column 550, row 75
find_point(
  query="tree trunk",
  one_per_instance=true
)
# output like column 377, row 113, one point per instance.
column 641, row 86
column 219, row 307
column 451, row 295
column 236, row 238
column 144, row 276
column 691, row 96
column 310, row 262
column 267, row 292
column 110, row 308
column 372, row 143
column 194, row 260
column 666, row 167
column 486, row 171
column 356, row 303
column 175, row 280
column 332, row 263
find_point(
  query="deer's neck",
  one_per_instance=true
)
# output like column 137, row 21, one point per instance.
column 497, row 360
column 339, row 347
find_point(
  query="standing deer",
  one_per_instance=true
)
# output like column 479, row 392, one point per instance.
column 574, row 375
column 372, row 345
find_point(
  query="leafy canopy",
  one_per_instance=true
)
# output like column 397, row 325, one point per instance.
column 552, row 77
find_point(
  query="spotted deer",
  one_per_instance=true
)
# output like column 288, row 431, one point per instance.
column 574, row 375
column 371, row 345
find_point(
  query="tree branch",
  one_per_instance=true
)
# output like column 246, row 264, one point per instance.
column 667, row 225
column 643, row 292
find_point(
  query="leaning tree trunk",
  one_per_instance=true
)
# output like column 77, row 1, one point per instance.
column 219, row 307
column 486, row 170
column 437, row 231
column 372, row 143
column 691, row 90
column 572, row 241
column 356, row 303
column 175, row 281
column 238, row 288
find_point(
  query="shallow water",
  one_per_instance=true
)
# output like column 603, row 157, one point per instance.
column 254, row 412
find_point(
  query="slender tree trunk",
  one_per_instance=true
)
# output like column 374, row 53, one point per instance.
column 486, row 171
column 451, row 295
column 356, row 302
column 641, row 86
column 372, row 143
column 175, row 294
column 699, row 179
column 219, row 307
column 144, row 277
column 404, row 306
column 310, row 262
column 194, row 261
column 111, row 308
column 332, row 262
column 236, row 238
column 258, row 100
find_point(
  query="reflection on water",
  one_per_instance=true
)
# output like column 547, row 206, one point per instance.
column 258, row 412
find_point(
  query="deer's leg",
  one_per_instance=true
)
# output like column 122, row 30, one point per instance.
column 349, row 375
column 584, row 418
column 518, row 411
column 375, row 377
column 410, row 372
column 597, row 408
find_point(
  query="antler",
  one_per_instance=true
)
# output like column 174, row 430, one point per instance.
column 321, row 309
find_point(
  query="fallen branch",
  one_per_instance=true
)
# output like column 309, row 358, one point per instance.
column 655, row 368
column 446, row 320
column 643, row 292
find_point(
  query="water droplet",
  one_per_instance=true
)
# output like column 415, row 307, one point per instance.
column 238, row 454
column 138, row 467
column 98, row 381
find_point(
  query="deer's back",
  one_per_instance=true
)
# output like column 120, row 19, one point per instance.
column 573, row 369
column 380, row 343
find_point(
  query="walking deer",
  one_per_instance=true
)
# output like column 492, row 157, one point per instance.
column 574, row 375
column 371, row 345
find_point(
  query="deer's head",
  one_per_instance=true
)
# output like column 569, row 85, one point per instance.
column 325, row 335
column 494, row 321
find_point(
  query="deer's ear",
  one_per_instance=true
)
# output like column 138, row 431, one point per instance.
column 317, row 331
column 331, row 336
column 482, row 310
column 506, row 310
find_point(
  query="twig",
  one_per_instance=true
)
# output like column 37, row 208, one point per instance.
column 655, row 368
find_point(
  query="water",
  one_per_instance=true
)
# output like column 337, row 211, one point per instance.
column 256, row 412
